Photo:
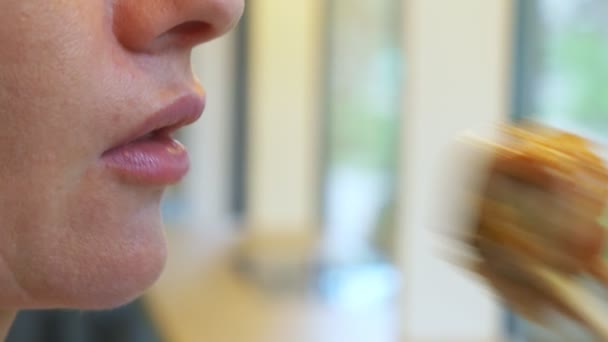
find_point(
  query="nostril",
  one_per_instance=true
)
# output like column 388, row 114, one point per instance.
column 191, row 28
column 192, row 32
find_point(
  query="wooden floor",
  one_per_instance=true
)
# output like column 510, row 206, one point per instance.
column 201, row 298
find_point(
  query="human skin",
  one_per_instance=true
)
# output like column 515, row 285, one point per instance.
column 75, row 77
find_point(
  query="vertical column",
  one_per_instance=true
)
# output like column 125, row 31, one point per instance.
column 284, row 103
column 208, row 186
column 458, row 56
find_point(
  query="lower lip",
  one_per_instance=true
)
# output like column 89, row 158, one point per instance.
column 158, row 160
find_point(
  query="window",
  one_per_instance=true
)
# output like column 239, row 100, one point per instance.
column 562, row 64
column 562, row 80
column 363, row 105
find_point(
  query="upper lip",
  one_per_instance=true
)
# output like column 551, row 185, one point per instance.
column 181, row 112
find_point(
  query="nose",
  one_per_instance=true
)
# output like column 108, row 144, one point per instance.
column 154, row 25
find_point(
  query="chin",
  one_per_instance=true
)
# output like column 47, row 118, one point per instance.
column 118, row 279
column 119, row 272
column 99, row 263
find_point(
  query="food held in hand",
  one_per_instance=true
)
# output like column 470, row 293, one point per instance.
column 538, row 220
column 544, row 196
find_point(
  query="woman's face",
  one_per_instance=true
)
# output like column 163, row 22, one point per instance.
column 90, row 91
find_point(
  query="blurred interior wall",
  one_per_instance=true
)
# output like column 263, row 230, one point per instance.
column 285, row 39
column 459, row 56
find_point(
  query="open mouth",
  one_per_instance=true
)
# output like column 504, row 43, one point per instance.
column 154, row 135
column 149, row 155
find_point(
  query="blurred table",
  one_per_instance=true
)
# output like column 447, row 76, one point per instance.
column 200, row 297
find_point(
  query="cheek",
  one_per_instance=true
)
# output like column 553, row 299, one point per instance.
column 72, row 236
column 47, row 82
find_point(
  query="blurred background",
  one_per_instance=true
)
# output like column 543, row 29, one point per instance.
column 320, row 166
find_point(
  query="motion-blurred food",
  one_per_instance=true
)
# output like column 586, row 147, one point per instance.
column 538, row 219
